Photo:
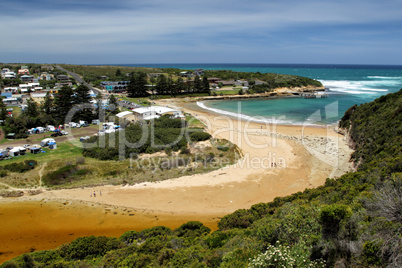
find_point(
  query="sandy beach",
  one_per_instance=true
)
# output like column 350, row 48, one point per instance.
column 276, row 161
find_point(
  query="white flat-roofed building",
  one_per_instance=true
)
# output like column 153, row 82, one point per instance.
column 148, row 113
column 9, row 75
column 11, row 89
column 10, row 101
column 33, row 84
column 127, row 115
column 144, row 114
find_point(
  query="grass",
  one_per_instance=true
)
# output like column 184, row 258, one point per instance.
column 226, row 92
column 193, row 122
column 93, row 172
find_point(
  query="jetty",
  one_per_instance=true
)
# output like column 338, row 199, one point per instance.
column 315, row 95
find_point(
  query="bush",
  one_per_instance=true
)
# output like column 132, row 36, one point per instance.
column 192, row 229
column 20, row 167
column 89, row 247
column 64, row 175
column 200, row 136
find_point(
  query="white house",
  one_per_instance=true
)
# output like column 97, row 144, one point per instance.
column 127, row 115
column 11, row 89
column 144, row 113
column 10, row 101
column 148, row 113
column 9, row 75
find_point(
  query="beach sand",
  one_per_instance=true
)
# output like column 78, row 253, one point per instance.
column 304, row 158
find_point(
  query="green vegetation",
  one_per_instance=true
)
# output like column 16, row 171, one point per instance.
column 138, row 138
column 353, row 221
column 170, row 83
column 20, row 167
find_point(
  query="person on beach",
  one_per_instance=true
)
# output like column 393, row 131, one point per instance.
column 94, row 194
column 90, row 195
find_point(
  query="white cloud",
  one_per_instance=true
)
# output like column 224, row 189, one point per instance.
column 171, row 26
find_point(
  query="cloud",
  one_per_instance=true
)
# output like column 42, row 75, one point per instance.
column 216, row 27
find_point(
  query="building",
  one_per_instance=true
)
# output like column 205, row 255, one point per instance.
column 23, row 71
column 38, row 97
column 47, row 67
column 127, row 115
column 144, row 114
column 8, row 75
column 7, row 94
column 115, row 87
column 148, row 113
column 199, row 72
column 10, row 101
column 27, row 78
column 60, row 85
column 62, row 78
column 155, row 75
column 186, row 74
column 11, row 89
column 46, row 77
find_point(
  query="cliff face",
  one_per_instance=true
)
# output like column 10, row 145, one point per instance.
column 277, row 92
column 374, row 129
column 300, row 89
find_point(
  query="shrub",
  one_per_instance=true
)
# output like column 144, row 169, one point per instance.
column 89, row 247
column 200, row 136
column 192, row 229
column 283, row 256
column 21, row 167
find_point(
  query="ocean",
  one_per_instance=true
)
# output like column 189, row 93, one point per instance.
column 346, row 85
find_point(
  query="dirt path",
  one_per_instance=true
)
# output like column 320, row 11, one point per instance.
column 40, row 175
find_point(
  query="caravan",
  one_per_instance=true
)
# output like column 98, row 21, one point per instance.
column 83, row 123
column 50, row 128
column 46, row 142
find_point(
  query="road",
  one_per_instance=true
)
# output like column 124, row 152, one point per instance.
column 79, row 80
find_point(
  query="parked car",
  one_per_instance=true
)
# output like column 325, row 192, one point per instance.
column 56, row 134
column 27, row 145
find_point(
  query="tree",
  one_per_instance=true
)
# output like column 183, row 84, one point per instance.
column 180, row 85
column 171, row 87
column 153, row 81
column 82, row 95
column 118, row 72
column 63, row 103
column 32, row 108
column 197, row 84
column 205, row 85
column 47, row 105
column 3, row 110
column 113, row 104
column 161, row 85
column 137, row 86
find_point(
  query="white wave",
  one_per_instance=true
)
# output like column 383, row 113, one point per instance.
column 356, row 87
column 384, row 77
column 240, row 116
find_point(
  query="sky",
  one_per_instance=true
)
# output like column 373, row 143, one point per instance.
column 209, row 31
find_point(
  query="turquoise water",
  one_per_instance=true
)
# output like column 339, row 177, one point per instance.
column 346, row 85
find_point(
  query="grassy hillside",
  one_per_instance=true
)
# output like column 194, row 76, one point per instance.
column 354, row 221
column 115, row 73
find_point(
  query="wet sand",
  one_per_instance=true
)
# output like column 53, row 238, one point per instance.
column 39, row 225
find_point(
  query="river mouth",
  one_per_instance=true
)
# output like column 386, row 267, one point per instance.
column 28, row 226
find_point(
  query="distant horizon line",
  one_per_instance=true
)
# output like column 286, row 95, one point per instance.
column 198, row 63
